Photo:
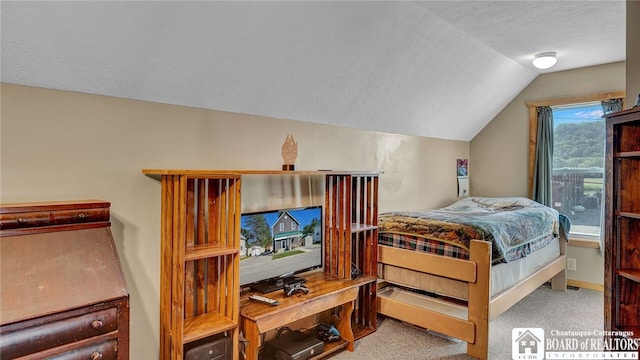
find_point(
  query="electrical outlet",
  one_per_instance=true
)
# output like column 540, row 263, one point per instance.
column 571, row 264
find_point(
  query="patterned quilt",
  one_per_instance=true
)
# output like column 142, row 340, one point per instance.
column 515, row 226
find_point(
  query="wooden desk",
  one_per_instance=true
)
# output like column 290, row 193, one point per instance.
column 326, row 292
column 63, row 292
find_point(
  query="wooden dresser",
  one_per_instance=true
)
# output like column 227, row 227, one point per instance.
column 622, row 223
column 62, row 290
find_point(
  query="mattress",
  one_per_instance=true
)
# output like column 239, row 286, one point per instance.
column 515, row 226
column 505, row 275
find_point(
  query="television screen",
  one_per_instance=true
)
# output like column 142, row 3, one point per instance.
column 280, row 243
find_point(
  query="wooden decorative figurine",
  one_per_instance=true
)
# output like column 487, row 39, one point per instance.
column 289, row 153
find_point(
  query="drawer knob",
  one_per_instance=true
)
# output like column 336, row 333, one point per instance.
column 22, row 221
column 96, row 324
column 96, row 356
column 82, row 216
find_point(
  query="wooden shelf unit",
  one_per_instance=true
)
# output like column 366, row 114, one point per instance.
column 351, row 237
column 199, row 294
column 622, row 222
column 200, row 244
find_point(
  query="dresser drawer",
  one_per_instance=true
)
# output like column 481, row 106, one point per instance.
column 103, row 348
column 48, row 218
column 58, row 332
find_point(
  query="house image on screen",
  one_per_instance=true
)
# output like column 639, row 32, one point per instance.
column 527, row 343
column 286, row 232
column 243, row 246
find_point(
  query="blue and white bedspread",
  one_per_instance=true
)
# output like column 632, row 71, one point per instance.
column 516, row 226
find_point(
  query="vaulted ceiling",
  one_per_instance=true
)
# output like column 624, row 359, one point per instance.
column 439, row 69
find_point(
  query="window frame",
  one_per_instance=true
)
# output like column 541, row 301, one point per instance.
column 575, row 239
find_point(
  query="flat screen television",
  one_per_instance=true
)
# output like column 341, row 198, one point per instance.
column 277, row 244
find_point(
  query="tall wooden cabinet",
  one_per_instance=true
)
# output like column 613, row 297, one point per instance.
column 622, row 222
column 200, row 252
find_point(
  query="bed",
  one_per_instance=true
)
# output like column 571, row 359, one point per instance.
column 451, row 270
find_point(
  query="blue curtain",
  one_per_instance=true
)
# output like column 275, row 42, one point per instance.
column 608, row 106
column 543, row 165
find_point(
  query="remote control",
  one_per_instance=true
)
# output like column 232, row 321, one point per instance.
column 264, row 300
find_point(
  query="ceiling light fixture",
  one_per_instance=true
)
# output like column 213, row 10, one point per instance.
column 545, row 60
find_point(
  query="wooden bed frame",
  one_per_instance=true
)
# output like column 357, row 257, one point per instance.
column 472, row 324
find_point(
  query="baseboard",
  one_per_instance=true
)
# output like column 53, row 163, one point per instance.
column 585, row 285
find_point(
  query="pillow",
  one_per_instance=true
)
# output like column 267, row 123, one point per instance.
column 504, row 202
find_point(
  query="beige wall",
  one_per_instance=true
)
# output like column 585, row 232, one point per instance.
column 633, row 52
column 499, row 153
column 58, row 145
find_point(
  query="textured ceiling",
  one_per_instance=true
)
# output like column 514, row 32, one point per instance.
column 436, row 68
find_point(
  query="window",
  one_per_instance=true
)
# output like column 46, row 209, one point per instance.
column 586, row 181
column 578, row 165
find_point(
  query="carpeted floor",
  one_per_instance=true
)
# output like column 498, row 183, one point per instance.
column 577, row 310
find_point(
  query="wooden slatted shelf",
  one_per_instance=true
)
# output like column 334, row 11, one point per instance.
column 197, row 252
column 628, row 214
column 361, row 331
column 330, row 348
column 628, row 154
column 201, row 326
column 630, row 274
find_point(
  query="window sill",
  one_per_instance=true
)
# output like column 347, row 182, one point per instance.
column 583, row 242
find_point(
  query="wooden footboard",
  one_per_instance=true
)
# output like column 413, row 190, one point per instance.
column 471, row 325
